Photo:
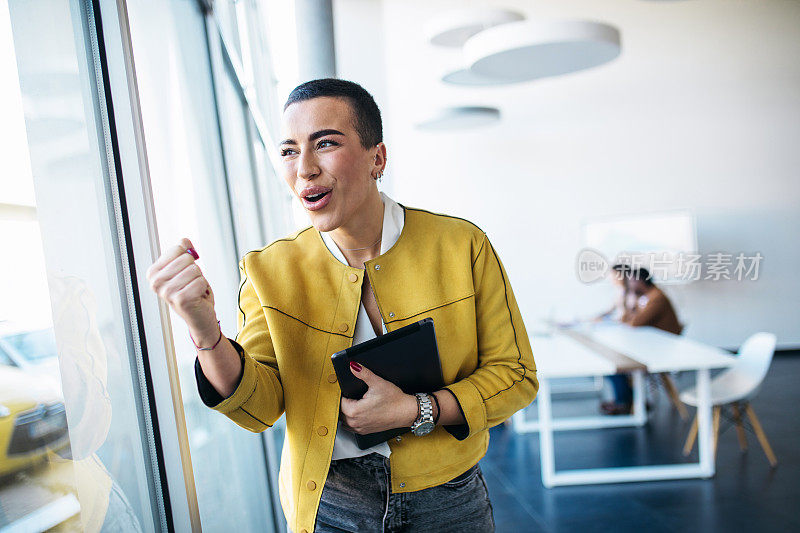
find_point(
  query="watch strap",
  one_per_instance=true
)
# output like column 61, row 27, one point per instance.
column 425, row 410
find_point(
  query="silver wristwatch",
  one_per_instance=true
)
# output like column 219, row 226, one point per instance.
column 424, row 422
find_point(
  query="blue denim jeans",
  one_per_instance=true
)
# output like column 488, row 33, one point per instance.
column 623, row 393
column 357, row 497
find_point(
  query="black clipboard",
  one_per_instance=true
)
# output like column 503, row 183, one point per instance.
column 408, row 357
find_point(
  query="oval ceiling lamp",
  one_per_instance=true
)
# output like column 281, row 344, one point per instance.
column 453, row 28
column 453, row 72
column 527, row 50
column 464, row 76
column 459, row 118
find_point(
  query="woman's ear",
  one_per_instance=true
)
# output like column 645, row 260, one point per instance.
column 380, row 158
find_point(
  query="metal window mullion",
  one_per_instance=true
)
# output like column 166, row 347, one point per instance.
column 248, row 81
column 183, row 512
column 229, row 55
column 230, row 52
column 110, row 168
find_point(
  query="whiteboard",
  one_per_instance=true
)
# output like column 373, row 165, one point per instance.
column 661, row 242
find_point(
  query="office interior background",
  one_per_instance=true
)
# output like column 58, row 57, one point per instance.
column 127, row 125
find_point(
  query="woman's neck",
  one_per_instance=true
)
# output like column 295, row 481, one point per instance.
column 360, row 238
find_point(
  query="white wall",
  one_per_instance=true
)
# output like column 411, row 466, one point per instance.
column 360, row 54
column 700, row 111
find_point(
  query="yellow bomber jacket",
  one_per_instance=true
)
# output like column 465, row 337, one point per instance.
column 298, row 305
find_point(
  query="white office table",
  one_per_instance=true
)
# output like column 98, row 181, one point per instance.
column 561, row 355
column 655, row 351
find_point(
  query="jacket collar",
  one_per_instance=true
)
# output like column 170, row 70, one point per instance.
column 305, row 281
column 393, row 224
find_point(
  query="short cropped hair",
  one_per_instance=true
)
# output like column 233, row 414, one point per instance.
column 621, row 271
column 366, row 115
column 642, row 274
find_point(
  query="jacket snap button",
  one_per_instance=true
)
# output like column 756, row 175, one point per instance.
column 377, row 267
column 332, row 378
column 311, row 485
column 399, row 439
column 322, row 430
column 342, row 327
column 391, row 315
column 353, row 277
column 402, row 485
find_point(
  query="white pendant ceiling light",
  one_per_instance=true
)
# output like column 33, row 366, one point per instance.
column 453, row 72
column 529, row 50
column 500, row 47
column 460, row 117
column 453, row 28
column 464, row 76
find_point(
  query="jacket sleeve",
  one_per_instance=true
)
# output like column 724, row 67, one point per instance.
column 257, row 401
column 505, row 379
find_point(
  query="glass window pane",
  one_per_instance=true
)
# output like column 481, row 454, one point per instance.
column 272, row 191
column 64, row 250
column 262, row 65
column 188, row 180
column 225, row 13
column 239, row 162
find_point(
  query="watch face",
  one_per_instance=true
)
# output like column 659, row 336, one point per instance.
column 423, row 429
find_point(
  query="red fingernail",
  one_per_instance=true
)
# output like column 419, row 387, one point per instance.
column 355, row 366
column 193, row 253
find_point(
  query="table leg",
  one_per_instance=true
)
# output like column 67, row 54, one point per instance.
column 704, row 430
column 583, row 476
column 546, row 451
column 639, row 397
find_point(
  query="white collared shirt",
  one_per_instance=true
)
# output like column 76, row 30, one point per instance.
column 344, row 445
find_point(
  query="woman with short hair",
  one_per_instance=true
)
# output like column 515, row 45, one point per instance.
column 367, row 265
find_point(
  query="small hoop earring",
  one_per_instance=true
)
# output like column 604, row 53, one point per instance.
column 379, row 176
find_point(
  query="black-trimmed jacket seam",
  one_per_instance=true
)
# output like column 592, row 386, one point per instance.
column 514, row 329
column 432, row 308
column 483, row 242
column 306, row 323
column 241, row 406
column 441, row 215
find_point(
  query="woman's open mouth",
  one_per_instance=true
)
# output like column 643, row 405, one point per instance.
column 317, row 199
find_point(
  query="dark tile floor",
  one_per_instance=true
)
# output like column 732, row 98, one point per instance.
column 745, row 495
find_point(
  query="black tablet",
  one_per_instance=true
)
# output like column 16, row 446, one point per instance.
column 408, row 357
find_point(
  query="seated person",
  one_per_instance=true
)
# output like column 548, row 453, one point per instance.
column 625, row 299
column 652, row 308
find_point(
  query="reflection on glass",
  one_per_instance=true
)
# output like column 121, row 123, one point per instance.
column 74, row 442
column 31, row 347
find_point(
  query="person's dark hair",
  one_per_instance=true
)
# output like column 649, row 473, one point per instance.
column 642, row 274
column 621, row 271
column 366, row 115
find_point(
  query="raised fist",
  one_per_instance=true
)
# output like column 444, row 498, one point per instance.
column 177, row 278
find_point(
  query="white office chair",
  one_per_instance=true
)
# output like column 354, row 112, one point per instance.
column 734, row 388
